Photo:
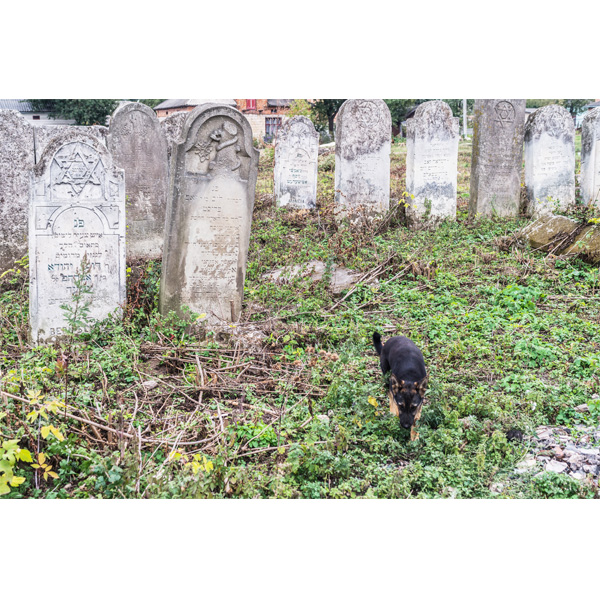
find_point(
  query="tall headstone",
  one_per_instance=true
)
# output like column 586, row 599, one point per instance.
column 549, row 160
column 77, row 210
column 172, row 127
column 16, row 158
column 363, row 143
column 296, row 162
column 497, row 157
column 138, row 146
column 590, row 157
column 209, row 214
column 431, row 163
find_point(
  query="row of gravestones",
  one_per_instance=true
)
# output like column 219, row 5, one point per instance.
column 363, row 142
column 138, row 143
column 76, row 190
column 80, row 228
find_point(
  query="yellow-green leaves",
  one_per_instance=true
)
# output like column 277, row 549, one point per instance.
column 372, row 401
column 44, row 467
column 10, row 453
column 50, row 429
column 200, row 463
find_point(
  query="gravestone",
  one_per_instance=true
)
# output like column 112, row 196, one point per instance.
column 431, row 163
column 363, row 143
column 42, row 134
column 590, row 157
column 296, row 161
column 209, row 214
column 76, row 215
column 138, row 146
column 16, row 158
column 172, row 127
column 497, row 157
column 549, row 160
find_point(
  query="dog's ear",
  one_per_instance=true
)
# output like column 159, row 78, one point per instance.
column 422, row 385
column 395, row 385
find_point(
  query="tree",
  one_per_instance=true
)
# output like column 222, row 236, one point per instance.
column 574, row 106
column 300, row 108
column 540, row 103
column 84, row 112
column 325, row 111
column 399, row 109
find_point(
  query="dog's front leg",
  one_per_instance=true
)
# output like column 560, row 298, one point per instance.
column 414, row 434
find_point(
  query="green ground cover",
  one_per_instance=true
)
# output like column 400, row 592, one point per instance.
column 153, row 406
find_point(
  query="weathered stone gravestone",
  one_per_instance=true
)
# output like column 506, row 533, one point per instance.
column 363, row 143
column 497, row 158
column 76, row 216
column 172, row 127
column 138, row 146
column 296, row 161
column 16, row 158
column 549, row 160
column 209, row 213
column 431, row 163
column 42, row 134
column 590, row 157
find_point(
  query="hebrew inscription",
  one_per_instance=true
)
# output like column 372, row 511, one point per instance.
column 209, row 215
column 139, row 147
column 431, row 163
column 296, row 162
column 362, row 155
column 590, row 157
column 497, row 157
column 77, row 216
column 549, row 161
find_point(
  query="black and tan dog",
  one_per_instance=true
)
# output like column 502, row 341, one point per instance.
column 408, row 380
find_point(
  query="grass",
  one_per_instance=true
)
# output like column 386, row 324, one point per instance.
column 158, row 408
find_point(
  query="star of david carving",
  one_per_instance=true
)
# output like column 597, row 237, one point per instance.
column 78, row 170
column 505, row 111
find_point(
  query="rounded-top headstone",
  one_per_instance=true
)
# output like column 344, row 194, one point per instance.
column 207, row 232
column 363, row 143
column 42, row 134
column 549, row 160
column 431, row 163
column 590, row 157
column 16, row 159
column 138, row 146
column 497, row 157
column 76, row 215
column 296, row 162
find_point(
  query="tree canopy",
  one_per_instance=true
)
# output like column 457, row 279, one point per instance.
column 83, row 112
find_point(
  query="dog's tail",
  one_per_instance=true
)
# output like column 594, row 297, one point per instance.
column 377, row 343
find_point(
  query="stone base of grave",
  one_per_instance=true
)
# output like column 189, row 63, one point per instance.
column 562, row 236
column 341, row 278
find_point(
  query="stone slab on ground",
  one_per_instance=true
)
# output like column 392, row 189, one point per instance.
column 341, row 278
column 563, row 236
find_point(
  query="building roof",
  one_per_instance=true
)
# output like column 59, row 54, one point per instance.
column 278, row 102
column 167, row 104
column 20, row 105
column 593, row 104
